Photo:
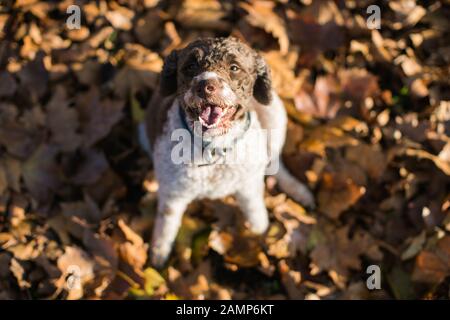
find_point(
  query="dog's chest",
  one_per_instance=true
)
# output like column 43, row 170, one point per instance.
column 199, row 179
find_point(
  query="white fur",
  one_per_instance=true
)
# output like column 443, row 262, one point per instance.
column 228, row 95
column 206, row 75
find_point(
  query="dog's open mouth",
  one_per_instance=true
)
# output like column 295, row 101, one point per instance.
column 210, row 115
column 214, row 118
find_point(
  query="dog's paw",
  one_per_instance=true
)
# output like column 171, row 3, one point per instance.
column 308, row 200
column 259, row 226
column 305, row 197
column 158, row 258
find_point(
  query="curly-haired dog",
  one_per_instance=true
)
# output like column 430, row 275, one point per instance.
column 214, row 95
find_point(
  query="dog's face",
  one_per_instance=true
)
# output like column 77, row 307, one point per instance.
column 215, row 80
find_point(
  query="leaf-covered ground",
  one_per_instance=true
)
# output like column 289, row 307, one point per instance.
column 369, row 133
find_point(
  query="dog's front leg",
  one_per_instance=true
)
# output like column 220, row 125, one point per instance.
column 251, row 201
column 168, row 221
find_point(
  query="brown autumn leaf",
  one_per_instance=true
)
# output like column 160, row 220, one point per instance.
column 97, row 116
column 150, row 27
column 19, row 273
column 327, row 136
column 91, row 165
column 140, row 71
column 442, row 164
column 295, row 211
column 25, row 251
column 18, row 137
column 62, row 121
column 120, row 17
column 204, row 14
column 433, row 264
column 261, row 14
column 134, row 250
column 41, row 174
column 194, row 285
column 9, row 84
column 313, row 33
column 369, row 157
column 78, row 35
column 34, row 78
column 410, row 66
column 284, row 80
column 10, row 173
column 339, row 253
column 77, row 270
column 407, row 13
column 291, row 281
column 322, row 101
column 357, row 84
column 3, row 181
column 99, row 246
column 87, row 210
column 336, row 196
column 236, row 248
column 5, row 260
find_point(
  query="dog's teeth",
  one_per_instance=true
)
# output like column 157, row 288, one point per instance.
column 209, row 126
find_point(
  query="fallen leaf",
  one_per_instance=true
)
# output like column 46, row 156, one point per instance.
column 358, row 84
column 63, row 121
column 19, row 140
column 322, row 101
column 77, row 270
column 261, row 14
column 326, row 136
column 337, row 195
column 140, row 71
column 134, row 250
column 91, row 165
column 34, row 78
column 204, row 14
column 284, row 79
column 433, row 264
column 120, row 17
column 153, row 280
column 313, row 34
column 415, row 246
column 400, row 283
column 9, row 84
column 97, row 116
column 338, row 253
column 369, row 157
column 19, row 273
column 40, row 173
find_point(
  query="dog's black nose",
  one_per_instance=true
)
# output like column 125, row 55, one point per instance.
column 206, row 87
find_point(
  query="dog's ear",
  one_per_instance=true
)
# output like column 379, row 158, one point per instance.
column 168, row 81
column 262, row 90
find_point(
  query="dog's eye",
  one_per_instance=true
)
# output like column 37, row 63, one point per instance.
column 234, row 68
column 191, row 67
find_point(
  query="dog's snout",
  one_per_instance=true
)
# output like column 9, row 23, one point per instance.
column 207, row 87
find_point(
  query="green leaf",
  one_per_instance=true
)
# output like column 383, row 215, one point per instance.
column 200, row 244
column 137, row 112
column 400, row 283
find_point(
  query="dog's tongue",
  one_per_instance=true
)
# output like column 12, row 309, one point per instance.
column 211, row 114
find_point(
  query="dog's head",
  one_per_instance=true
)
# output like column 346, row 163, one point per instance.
column 215, row 80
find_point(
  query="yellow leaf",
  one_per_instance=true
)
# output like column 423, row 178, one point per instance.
column 153, row 280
